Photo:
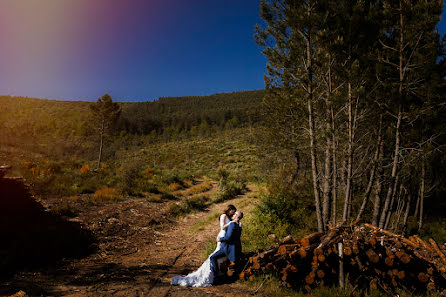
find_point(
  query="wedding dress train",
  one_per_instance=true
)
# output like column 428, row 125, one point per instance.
column 203, row 276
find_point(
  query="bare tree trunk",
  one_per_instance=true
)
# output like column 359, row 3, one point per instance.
column 399, row 208
column 327, row 174
column 417, row 205
column 334, row 182
column 406, row 214
column 399, row 117
column 349, row 156
column 320, row 223
column 372, row 171
column 378, row 188
column 385, row 210
column 392, row 202
column 101, row 143
column 423, row 175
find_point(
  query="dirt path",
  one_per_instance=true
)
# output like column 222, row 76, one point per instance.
column 136, row 260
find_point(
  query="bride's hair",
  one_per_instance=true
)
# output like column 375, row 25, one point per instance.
column 227, row 209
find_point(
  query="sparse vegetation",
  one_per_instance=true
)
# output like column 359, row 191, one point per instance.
column 189, row 205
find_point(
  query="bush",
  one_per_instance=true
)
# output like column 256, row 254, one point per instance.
column 150, row 188
column 129, row 177
column 172, row 177
column 232, row 190
column 280, row 213
column 186, row 206
column 222, row 175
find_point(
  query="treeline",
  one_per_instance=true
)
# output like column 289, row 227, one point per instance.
column 356, row 97
column 194, row 114
column 199, row 115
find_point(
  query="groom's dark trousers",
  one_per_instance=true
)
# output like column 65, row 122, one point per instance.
column 231, row 246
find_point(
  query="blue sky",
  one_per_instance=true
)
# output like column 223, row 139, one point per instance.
column 134, row 50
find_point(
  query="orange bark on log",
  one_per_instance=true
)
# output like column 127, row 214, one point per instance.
column 347, row 251
column 405, row 258
column 437, row 250
column 372, row 255
column 283, row 249
column 423, row 243
column 310, row 239
column 287, row 240
column 388, row 261
column 422, row 277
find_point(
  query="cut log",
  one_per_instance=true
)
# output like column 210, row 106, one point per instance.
column 380, row 258
column 287, row 240
column 372, row 255
column 309, row 279
column 422, row 277
column 321, row 258
column 285, row 248
column 268, row 253
column 347, row 251
column 437, row 250
column 423, row 243
column 256, row 266
column 311, row 239
column 388, row 261
column 405, row 258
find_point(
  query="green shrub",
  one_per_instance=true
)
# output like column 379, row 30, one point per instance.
column 186, row 206
column 175, row 209
column 199, row 202
column 129, row 177
column 279, row 213
column 150, row 188
column 232, row 190
column 172, row 177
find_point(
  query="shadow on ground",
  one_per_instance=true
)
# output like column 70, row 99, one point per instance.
column 31, row 237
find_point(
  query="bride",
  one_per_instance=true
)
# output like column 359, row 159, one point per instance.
column 204, row 276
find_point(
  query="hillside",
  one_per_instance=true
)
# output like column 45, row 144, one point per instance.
column 22, row 116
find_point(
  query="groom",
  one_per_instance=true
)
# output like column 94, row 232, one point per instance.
column 231, row 246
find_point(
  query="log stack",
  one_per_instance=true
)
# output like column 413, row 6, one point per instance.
column 370, row 258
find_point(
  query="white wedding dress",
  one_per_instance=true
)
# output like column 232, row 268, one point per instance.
column 203, row 276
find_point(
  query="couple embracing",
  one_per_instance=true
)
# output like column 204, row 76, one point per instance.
column 228, row 244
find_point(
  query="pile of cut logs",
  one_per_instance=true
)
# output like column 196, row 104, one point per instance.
column 365, row 255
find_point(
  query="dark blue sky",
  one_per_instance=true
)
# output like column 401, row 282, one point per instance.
column 134, row 50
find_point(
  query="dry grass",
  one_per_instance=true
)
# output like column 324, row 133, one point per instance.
column 197, row 189
column 105, row 195
column 174, row 187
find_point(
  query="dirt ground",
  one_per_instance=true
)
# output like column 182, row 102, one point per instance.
column 138, row 249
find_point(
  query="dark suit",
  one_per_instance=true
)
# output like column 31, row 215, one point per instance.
column 231, row 245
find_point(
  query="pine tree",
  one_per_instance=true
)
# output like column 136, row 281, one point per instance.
column 105, row 113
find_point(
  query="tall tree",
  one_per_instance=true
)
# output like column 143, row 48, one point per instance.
column 105, row 113
column 289, row 44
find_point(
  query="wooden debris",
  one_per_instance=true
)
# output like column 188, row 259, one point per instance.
column 373, row 258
